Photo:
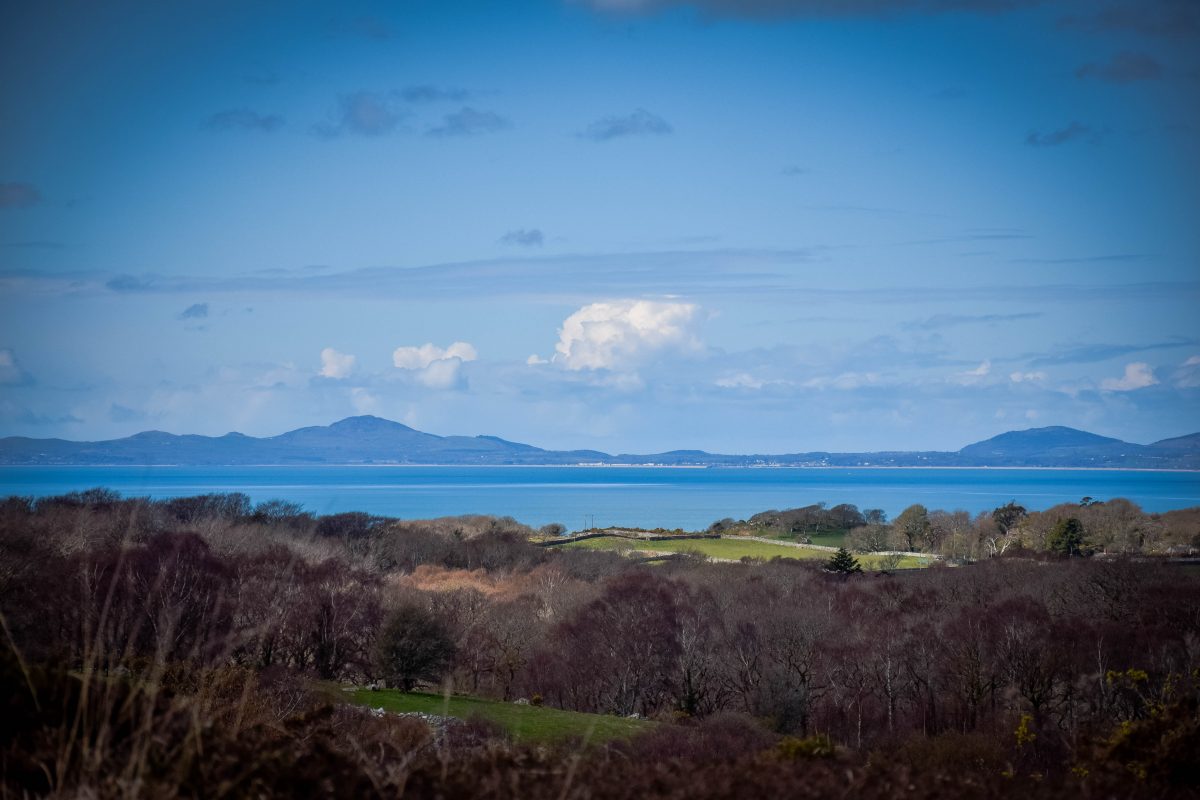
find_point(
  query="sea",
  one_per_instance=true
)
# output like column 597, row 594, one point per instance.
column 600, row 496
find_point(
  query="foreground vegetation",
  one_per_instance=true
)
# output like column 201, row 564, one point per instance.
column 183, row 647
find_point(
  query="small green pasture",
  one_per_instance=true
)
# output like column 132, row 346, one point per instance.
column 824, row 539
column 524, row 723
column 731, row 550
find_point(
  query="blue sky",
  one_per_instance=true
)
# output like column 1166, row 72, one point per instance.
column 633, row 225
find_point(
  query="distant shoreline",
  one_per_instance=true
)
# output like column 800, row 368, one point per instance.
column 605, row 466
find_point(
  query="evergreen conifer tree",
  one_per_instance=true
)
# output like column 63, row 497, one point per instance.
column 842, row 563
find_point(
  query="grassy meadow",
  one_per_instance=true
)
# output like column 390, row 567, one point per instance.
column 525, row 723
column 731, row 550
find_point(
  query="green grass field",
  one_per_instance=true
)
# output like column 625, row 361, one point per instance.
column 731, row 549
column 831, row 539
column 524, row 723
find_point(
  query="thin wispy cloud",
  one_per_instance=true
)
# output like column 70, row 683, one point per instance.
column 244, row 119
column 1123, row 67
column 524, row 237
column 428, row 93
column 1093, row 353
column 768, row 9
column 367, row 26
column 1100, row 259
column 469, row 122
column 11, row 371
column 638, row 123
column 364, row 114
column 1174, row 19
column 730, row 272
column 1073, row 132
column 195, row 311
column 939, row 321
column 19, row 195
column 35, row 244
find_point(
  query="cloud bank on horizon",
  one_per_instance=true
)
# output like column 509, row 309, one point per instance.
column 633, row 225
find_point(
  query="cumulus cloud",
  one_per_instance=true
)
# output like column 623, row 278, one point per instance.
column 1124, row 67
column 1071, row 133
column 195, row 311
column 364, row 114
column 433, row 366
column 426, row 354
column 536, row 360
column 334, row 364
column 620, row 334
column 1138, row 375
column 640, row 123
column 19, row 195
column 243, row 119
column 11, row 373
column 469, row 122
column 524, row 237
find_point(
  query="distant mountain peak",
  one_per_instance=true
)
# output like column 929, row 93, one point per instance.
column 1049, row 436
column 367, row 422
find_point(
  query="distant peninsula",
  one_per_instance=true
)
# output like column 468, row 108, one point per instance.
column 372, row 440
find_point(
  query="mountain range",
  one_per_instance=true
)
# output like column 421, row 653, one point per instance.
column 372, row 440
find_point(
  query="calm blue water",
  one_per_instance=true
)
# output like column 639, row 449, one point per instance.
column 645, row 496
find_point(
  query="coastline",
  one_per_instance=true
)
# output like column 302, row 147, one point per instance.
column 814, row 467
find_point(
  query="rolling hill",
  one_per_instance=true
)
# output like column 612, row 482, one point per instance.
column 371, row 440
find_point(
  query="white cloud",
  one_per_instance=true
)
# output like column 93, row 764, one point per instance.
column 973, row 375
column 1027, row 377
column 363, row 401
column 433, row 366
column 1188, row 374
column 744, row 380
column 535, row 360
column 618, row 335
column 445, row 373
column 1138, row 375
column 11, row 373
column 847, row 380
column 421, row 357
column 741, row 381
column 335, row 364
